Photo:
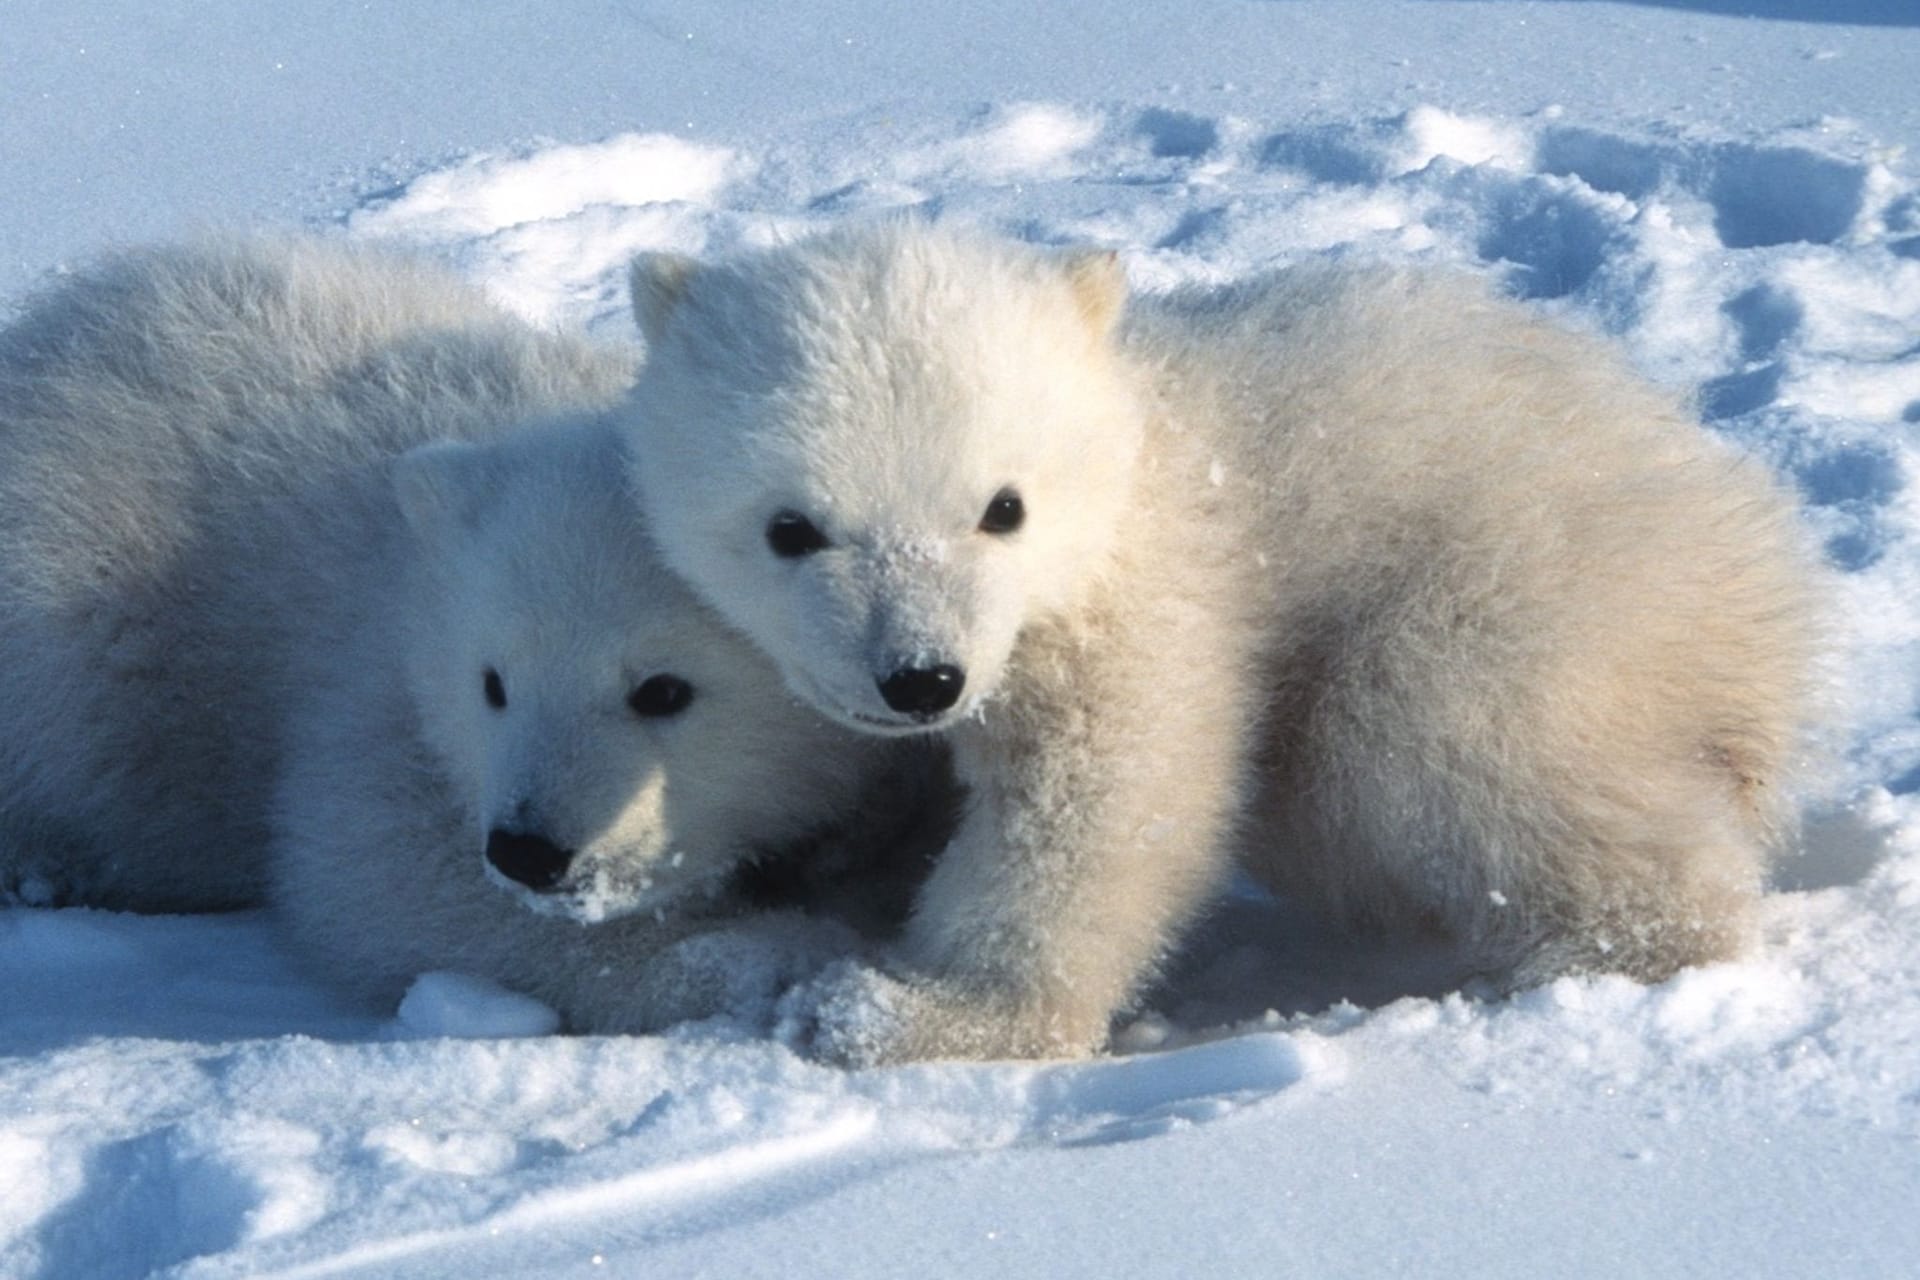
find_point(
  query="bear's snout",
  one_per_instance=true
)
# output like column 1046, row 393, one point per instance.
column 527, row 858
column 923, row 692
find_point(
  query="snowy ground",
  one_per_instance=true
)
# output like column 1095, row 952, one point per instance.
column 1730, row 197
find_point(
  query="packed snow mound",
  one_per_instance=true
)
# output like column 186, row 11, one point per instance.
column 541, row 211
column 177, row 1100
column 456, row 1004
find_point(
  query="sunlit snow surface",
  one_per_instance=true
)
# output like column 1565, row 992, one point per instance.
column 174, row 1098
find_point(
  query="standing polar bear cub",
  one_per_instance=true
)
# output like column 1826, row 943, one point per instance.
column 319, row 579
column 1430, row 613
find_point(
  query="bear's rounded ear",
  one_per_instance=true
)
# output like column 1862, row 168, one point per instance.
column 1099, row 285
column 442, row 487
column 656, row 282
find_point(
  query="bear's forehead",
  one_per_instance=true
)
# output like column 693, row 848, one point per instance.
column 612, row 642
column 528, row 571
column 891, row 379
column 870, row 316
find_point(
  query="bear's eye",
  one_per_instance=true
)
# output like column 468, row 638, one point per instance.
column 792, row 535
column 1004, row 514
column 494, row 688
column 660, row 696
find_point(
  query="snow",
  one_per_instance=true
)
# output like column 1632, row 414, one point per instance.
column 457, row 1004
column 1731, row 197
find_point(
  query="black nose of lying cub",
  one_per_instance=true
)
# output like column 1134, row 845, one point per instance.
column 923, row 692
column 533, row 860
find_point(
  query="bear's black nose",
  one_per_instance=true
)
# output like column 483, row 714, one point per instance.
column 923, row 692
column 533, row 860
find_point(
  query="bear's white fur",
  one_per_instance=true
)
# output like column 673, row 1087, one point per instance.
column 230, row 621
column 1433, row 613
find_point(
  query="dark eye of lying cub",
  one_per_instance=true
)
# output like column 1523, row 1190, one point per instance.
column 494, row 688
column 1004, row 514
column 792, row 535
column 660, row 696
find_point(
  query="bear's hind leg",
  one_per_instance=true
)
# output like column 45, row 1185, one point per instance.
column 1549, row 820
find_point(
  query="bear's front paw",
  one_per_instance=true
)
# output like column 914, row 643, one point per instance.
column 851, row 1015
column 854, row 1015
column 739, row 971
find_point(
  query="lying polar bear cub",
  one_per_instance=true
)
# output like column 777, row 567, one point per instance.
column 530, row 683
column 1430, row 612
column 245, row 652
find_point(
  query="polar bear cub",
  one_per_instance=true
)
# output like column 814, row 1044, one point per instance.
column 245, row 651
column 528, row 681
column 1428, row 611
